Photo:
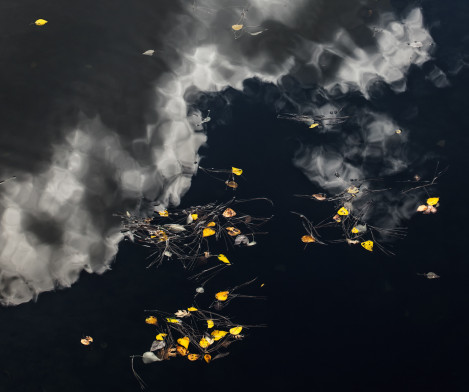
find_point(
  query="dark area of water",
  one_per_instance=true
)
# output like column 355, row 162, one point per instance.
column 338, row 318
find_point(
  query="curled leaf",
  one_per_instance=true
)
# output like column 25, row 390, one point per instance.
column 207, row 358
column 229, row 213
column 232, row 231
column 319, row 196
column 181, row 350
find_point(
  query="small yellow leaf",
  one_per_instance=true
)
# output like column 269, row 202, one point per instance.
column 210, row 324
column 353, row 190
column 237, row 27
column 181, row 350
column 355, row 230
column 208, row 232
column 432, row 201
column 217, row 335
column 307, row 239
column 211, row 224
column 368, row 245
column 236, row 171
column 223, row 259
column 192, row 309
column 194, row 216
column 163, row 213
column 204, row 343
column 173, row 320
column 314, row 125
column 193, row 357
column 263, row 284
column 40, row 22
column 184, row 342
column 236, row 330
column 161, row 336
column 151, row 320
column 222, row 295
column 207, row 358
column 342, row 211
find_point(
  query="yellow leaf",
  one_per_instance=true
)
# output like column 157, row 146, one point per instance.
column 173, row 320
column 208, row 232
column 336, row 217
column 211, row 224
column 232, row 231
column 40, row 22
column 194, row 216
column 263, row 284
column 217, row 335
column 184, row 342
column 355, row 230
column 204, row 343
column 236, row 330
column 237, row 27
column 151, row 320
column 207, row 358
column 193, row 357
column 181, row 350
column 210, row 324
column 163, row 213
column 161, row 336
column 192, row 309
column 223, row 259
column 308, row 238
column 236, row 171
column 342, row 211
column 222, row 295
column 368, row 245
column 314, row 125
column 432, row 201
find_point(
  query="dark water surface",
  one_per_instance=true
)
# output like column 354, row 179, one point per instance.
column 338, row 319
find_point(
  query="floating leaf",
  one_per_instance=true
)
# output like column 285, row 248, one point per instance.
column 163, row 213
column 355, row 230
column 314, row 125
column 398, row 131
column 207, row 358
column 193, row 357
column 222, row 295
column 210, row 324
column 236, row 330
column 184, row 342
column 192, row 309
column 223, row 259
column 151, row 320
column 194, row 216
column 432, row 201
column 173, row 320
column 181, row 350
column 337, row 218
column 237, row 27
column 208, row 232
column 353, row 190
column 40, row 22
column 342, row 211
column 217, row 335
column 307, row 239
column 319, row 196
column 232, row 231
column 149, row 52
column 229, row 213
column 211, row 224
column 161, row 336
column 204, row 343
column 231, row 184
column 368, row 245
